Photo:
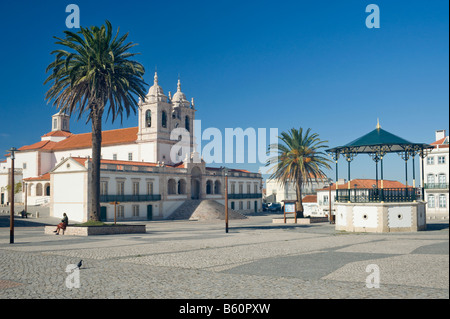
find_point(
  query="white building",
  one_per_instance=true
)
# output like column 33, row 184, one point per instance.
column 137, row 169
column 277, row 192
column 436, row 170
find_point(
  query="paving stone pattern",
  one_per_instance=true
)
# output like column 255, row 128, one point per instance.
column 255, row 260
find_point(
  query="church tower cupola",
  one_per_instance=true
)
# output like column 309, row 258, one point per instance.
column 60, row 122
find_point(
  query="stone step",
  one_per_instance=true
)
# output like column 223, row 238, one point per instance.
column 203, row 210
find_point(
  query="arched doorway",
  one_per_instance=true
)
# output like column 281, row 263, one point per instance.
column 196, row 175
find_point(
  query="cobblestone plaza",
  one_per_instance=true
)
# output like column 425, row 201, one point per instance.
column 198, row 260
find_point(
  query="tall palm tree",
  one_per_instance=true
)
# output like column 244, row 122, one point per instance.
column 299, row 160
column 97, row 75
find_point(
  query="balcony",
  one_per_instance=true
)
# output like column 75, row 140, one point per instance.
column 436, row 185
column 244, row 196
column 129, row 198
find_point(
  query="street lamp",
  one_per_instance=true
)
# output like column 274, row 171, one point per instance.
column 226, row 199
column 329, row 204
column 11, row 196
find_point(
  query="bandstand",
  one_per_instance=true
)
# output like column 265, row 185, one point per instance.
column 380, row 209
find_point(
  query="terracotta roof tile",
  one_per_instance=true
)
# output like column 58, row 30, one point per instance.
column 42, row 145
column 309, row 199
column 112, row 137
column 58, row 134
column 45, row 177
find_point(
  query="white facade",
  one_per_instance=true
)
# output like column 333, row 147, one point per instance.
column 137, row 169
column 436, row 175
column 277, row 192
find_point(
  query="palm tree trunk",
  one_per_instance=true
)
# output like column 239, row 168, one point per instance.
column 96, row 156
column 299, row 197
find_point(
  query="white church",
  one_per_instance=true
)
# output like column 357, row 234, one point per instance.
column 139, row 180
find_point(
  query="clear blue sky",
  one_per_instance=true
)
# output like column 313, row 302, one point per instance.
column 310, row 64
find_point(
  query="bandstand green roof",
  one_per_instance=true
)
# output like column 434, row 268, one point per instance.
column 379, row 140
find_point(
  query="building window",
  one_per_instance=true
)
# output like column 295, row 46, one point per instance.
column 171, row 187
column 120, row 211
column 135, row 210
column 135, row 188
column 209, row 187
column 442, row 201
column 150, row 188
column 120, row 188
column 241, row 189
column 130, row 156
column 164, row 119
column 430, row 160
column 55, row 123
column 217, row 187
column 441, row 159
column 24, row 165
column 430, row 178
column 148, row 118
column 182, row 186
column 442, row 179
column 256, row 189
column 431, row 203
column 241, row 205
column 248, row 188
column 248, row 205
column 233, row 188
column 114, row 157
column 103, row 188
column 187, row 123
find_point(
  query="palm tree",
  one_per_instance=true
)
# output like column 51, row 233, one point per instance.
column 300, row 160
column 95, row 76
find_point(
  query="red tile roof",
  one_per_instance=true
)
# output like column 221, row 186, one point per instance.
column 42, row 145
column 58, row 134
column 113, row 137
column 77, row 141
column 45, row 177
column 309, row 199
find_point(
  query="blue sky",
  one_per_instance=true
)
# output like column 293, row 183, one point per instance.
column 260, row 64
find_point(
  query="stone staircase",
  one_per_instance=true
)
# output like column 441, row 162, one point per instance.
column 206, row 209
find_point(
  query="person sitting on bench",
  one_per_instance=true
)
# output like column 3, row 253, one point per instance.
column 62, row 225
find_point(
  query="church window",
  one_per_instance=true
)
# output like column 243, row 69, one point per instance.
column 164, row 119
column 148, row 118
column 187, row 123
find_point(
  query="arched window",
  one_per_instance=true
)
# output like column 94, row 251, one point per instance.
column 187, row 123
column 148, row 118
column 431, row 203
column 181, row 186
column 47, row 189
column 164, row 119
column 209, row 187
column 217, row 187
column 171, row 187
column 39, row 189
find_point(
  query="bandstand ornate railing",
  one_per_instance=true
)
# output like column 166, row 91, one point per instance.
column 374, row 195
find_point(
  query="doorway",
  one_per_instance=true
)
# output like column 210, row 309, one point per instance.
column 149, row 212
